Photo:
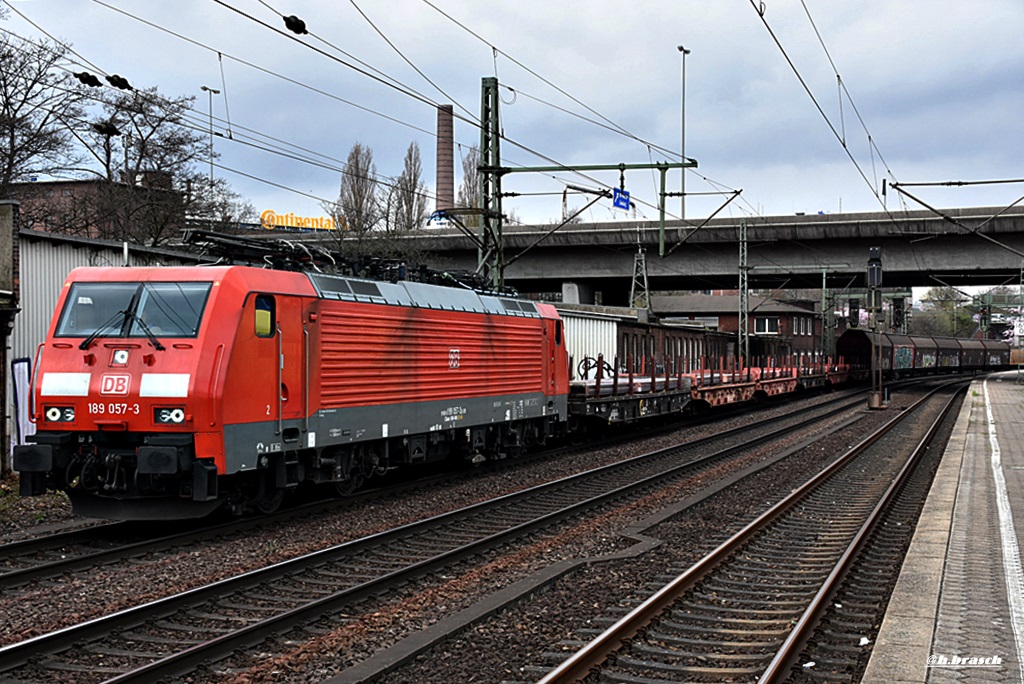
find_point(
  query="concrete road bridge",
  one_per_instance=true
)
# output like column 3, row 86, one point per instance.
column 970, row 246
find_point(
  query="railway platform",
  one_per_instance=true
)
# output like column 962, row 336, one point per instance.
column 957, row 611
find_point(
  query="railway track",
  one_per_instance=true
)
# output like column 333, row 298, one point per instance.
column 58, row 554
column 746, row 611
column 52, row 555
column 139, row 644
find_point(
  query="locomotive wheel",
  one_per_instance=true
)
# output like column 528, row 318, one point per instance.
column 268, row 502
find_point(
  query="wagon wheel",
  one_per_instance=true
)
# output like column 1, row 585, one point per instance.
column 350, row 486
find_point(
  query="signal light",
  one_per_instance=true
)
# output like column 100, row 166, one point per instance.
column 119, row 82
column 88, row 79
column 898, row 310
column 854, row 317
column 295, row 25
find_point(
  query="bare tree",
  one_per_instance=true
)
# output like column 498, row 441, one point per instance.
column 407, row 209
column 215, row 204
column 358, row 213
column 370, row 216
column 949, row 314
column 930, row 323
column 39, row 102
column 469, row 189
column 358, row 203
column 147, row 153
column 134, row 155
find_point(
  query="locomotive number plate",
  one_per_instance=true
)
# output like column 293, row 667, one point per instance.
column 113, row 409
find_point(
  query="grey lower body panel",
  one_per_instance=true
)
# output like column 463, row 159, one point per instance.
column 245, row 443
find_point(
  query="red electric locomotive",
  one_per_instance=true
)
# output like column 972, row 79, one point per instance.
column 169, row 392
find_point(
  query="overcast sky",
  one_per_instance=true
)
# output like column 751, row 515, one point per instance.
column 938, row 84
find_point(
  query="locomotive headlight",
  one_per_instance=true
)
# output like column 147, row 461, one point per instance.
column 60, row 414
column 169, row 415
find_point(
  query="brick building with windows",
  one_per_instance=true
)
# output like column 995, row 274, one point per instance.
column 146, row 211
column 778, row 327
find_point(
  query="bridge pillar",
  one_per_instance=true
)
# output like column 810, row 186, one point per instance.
column 577, row 293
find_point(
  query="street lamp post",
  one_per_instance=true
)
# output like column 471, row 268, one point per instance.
column 211, row 92
column 682, row 126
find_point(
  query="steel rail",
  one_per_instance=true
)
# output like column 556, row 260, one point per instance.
column 17, row 576
column 188, row 659
column 597, row 651
column 778, row 670
column 36, row 544
column 21, row 652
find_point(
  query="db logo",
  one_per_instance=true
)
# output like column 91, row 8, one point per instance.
column 115, row 384
column 454, row 359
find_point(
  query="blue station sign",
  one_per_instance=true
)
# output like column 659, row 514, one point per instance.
column 620, row 199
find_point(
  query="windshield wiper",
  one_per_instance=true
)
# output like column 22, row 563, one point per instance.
column 107, row 326
column 145, row 328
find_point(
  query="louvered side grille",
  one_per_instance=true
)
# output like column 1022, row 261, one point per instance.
column 378, row 354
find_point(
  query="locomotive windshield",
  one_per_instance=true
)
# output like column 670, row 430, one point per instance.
column 133, row 309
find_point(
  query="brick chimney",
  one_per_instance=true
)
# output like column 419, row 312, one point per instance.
column 445, row 190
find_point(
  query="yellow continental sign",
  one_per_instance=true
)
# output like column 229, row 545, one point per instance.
column 270, row 219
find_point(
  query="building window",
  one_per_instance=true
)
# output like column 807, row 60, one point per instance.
column 766, row 325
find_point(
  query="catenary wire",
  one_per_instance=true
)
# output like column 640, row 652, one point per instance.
column 843, row 89
column 421, row 98
column 194, row 121
column 199, row 125
column 195, row 124
column 220, row 56
column 415, row 68
column 608, row 123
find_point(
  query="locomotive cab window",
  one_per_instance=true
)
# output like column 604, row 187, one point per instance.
column 133, row 309
column 169, row 309
column 265, row 316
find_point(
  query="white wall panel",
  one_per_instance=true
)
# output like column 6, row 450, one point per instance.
column 587, row 336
